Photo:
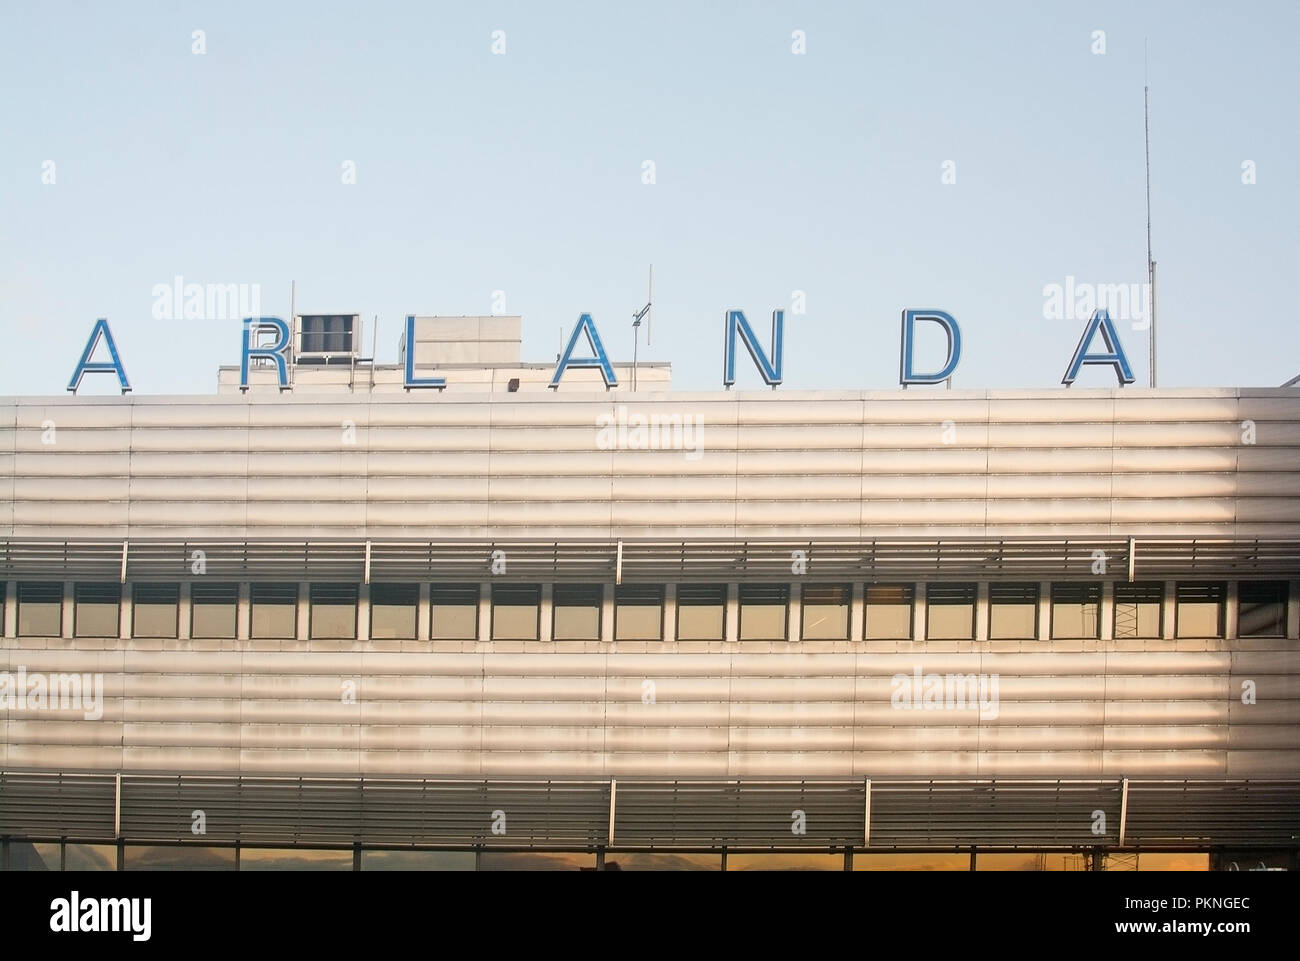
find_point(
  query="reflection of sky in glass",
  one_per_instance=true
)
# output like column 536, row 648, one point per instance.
column 292, row 859
column 664, row 862
column 785, row 862
column 417, row 860
column 91, row 857
column 160, row 857
column 532, row 861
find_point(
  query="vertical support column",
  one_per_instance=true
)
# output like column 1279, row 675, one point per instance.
column 731, row 629
column 1123, row 811
column 485, row 611
column 857, row 619
column 607, row 613
column 423, row 613
column 303, row 629
column 919, row 611
column 363, row 613
column 794, row 614
column 184, row 609
column 1230, row 609
column 1106, row 611
column 356, row 856
column 546, row 619
column 124, row 608
column 1044, row 630
column 670, row 612
column 613, row 806
column 69, row 605
column 981, row 613
column 1293, row 610
column 244, row 612
column 11, row 610
column 1168, row 609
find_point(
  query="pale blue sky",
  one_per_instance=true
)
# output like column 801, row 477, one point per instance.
column 775, row 172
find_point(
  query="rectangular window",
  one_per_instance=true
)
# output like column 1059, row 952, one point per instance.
column 639, row 612
column 516, row 610
column 40, row 609
column 1199, row 610
column 213, row 610
column 1261, row 608
column 889, row 611
column 824, row 609
column 455, row 612
column 950, row 612
column 1137, row 608
column 764, row 611
column 1076, row 610
column 275, row 610
column 393, row 610
column 701, row 612
column 333, row 611
column 1013, row 611
column 576, row 615
column 96, row 610
column 155, row 610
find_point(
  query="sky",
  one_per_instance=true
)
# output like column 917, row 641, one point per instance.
column 842, row 161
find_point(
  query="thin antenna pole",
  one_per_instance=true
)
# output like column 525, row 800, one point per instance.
column 1151, row 264
column 650, row 299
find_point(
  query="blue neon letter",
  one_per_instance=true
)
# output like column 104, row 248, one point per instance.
column 1115, row 358
column 252, row 326
column 906, row 374
column 87, row 366
column 585, row 324
column 408, row 347
column 769, row 369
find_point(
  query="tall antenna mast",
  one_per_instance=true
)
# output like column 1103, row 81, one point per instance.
column 1151, row 264
column 636, row 324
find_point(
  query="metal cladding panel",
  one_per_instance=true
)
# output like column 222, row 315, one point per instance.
column 863, row 464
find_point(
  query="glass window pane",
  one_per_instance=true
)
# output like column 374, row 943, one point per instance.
column 393, row 610
column 175, row 857
column 1013, row 611
column 333, row 611
column 417, row 860
column 577, row 612
column 536, row 861
column 213, row 610
column 40, row 609
column 825, row 612
column 1200, row 609
column 950, row 611
column 1137, row 608
column 638, row 612
column 275, row 610
column 155, row 610
column 96, row 610
column 89, row 857
column 293, row 859
column 1261, row 608
column 1076, row 610
column 515, row 612
column 763, row 611
column 628, row 861
column 701, row 612
column 889, row 611
column 455, row 611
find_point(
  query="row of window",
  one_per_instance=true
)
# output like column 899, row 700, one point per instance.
column 701, row 610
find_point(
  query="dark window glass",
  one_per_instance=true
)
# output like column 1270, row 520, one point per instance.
column 638, row 612
column 950, row 611
column 155, row 610
column 1261, row 608
column 333, row 610
column 1076, row 610
column 576, row 612
column 515, row 611
column 701, row 612
column 393, row 611
column 455, row 611
column 275, row 610
column 213, row 609
column 1137, row 608
column 1200, row 608
column 1013, row 611
column 824, row 610
column 96, row 610
column 764, row 611
column 889, row 611
column 40, row 609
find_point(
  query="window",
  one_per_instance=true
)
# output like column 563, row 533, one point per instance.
column 213, row 610
column 889, row 611
column 516, row 610
column 1261, row 609
column 321, row 333
column 950, row 612
column 40, row 609
column 1200, row 608
column 155, row 610
column 455, row 612
column 96, row 611
column 392, row 611
column 333, row 611
column 1137, row 608
column 1013, row 611
column 639, row 612
column 764, row 611
column 1076, row 610
column 701, row 612
column 825, row 612
column 576, row 612
column 275, row 610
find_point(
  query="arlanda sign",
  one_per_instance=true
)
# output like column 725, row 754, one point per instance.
column 736, row 327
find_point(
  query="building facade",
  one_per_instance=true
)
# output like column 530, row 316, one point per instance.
column 349, row 624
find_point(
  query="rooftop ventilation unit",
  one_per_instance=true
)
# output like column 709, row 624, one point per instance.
column 320, row 339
